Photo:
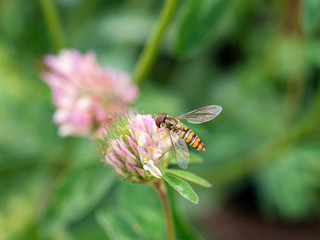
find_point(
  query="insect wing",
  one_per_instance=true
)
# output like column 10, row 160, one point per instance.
column 201, row 115
column 180, row 150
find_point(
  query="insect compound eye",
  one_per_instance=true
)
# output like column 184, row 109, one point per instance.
column 159, row 120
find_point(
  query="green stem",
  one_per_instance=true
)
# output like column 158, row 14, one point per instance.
column 160, row 187
column 149, row 53
column 52, row 21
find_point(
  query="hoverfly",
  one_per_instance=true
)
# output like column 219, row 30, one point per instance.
column 179, row 134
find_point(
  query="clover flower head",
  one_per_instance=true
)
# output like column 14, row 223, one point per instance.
column 136, row 149
column 86, row 96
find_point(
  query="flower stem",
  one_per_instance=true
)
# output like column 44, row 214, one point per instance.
column 160, row 187
column 149, row 53
column 53, row 24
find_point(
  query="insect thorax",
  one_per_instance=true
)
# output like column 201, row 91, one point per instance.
column 171, row 123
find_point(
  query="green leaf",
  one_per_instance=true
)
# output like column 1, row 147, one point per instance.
column 200, row 19
column 182, row 187
column 188, row 176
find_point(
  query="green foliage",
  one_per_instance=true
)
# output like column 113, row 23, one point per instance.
column 78, row 194
column 116, row 226
column 136, row 214
column 190, row 177
column 200, row 21
column 182, row 187
column 311, row 15
column 247, row 56
column 20, row 201
column 287, row 188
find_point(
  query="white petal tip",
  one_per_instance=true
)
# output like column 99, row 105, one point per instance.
column 152, row 169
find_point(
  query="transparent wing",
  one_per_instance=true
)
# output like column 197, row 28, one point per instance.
column 180, row 150
column 201, row 115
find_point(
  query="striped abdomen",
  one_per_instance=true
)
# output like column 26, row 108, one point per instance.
column 190, row 137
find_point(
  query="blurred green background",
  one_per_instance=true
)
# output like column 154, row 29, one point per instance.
column 259, row 60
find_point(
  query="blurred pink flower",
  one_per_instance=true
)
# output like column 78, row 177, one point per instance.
column 86, row 95
column 137, row 151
